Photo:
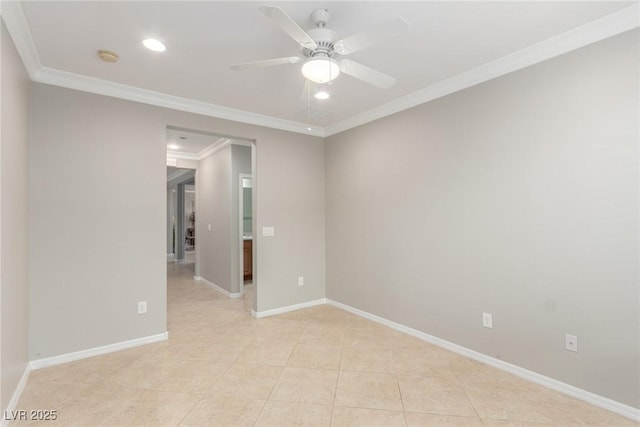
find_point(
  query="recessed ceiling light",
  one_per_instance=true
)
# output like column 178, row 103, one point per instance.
column 154, row 45
column 321, row 94
column 173, row 146
column 183, row 137
column 308, row 127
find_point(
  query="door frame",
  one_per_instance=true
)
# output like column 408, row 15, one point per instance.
column 241, row 228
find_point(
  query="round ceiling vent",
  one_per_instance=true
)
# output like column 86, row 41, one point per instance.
column 108, row 56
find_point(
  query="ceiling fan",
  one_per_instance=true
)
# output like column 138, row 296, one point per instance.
column 321, row 51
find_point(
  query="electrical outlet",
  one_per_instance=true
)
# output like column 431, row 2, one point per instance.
column 487, row 320
column 571, row 342
column 300, row 281
column 142, row 307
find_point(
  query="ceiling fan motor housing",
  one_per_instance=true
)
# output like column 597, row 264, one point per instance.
column 324, row 39
column 320, row 17
column 322, row 51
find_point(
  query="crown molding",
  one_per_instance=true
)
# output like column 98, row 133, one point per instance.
column 182, row 156
column 216, row 146
column 604, row 27
column 131, row 93
column 17, row 26
column 607, row 26
column 16, row 23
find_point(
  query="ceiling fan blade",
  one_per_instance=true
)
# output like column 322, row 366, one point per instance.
column 366, row 74
column 384, row 31
column 288, row 25
column 267, row 63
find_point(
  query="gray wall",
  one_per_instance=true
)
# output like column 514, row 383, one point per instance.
column 217, row 189
column 290, row 196
column 98, row 189
column 290, row 176
column 113, row 259
column 517, row 197
column 14, row 227
column 213, row 190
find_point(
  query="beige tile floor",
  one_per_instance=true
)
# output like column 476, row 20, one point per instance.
column 317, row 366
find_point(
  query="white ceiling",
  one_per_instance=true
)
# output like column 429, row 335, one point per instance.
column 190, row 142
column 203, row 38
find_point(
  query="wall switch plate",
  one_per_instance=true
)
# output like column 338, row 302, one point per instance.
column 142, row 307
column 209, row 227
column 571, row 342
column 300, row 281
column 487, row 320
column 268, row 231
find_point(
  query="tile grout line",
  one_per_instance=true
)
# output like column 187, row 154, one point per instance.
column 395, row 368
column 335, row 391
column 230, row 364
column 279, row 378
column 461, row 385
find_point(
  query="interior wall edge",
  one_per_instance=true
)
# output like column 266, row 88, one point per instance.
column 15, row 397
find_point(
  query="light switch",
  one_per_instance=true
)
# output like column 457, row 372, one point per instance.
column 487, row 320
column 209, row 227
column 268, row 231
column 142, row 307
column 571, row 342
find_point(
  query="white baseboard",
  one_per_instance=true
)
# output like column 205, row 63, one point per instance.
column 217, row 288
column 281, row 310
column 70, row 357
column 96, row 351
column 587, row 396
column 13, row 403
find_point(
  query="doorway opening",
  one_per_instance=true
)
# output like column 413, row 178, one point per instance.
column 217, row 227
column 245, row 232
column 181, row 215
column 189, row 223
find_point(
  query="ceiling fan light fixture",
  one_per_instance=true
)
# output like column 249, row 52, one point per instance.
column 322, row 95
column 154, row 45
column 320, row 70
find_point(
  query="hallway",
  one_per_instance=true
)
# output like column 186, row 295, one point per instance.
column 317, row 366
